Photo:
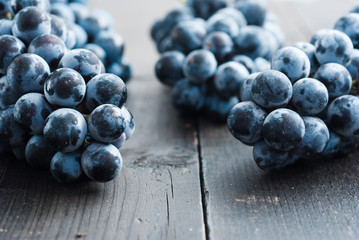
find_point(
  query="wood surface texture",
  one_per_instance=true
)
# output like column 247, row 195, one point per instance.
column 183, row 177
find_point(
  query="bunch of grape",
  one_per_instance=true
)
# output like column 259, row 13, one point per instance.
column 306, row 106
column 59, row 109
column 208, row 48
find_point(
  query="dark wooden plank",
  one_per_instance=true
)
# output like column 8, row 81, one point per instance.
column 156, row 196
column 317, row 200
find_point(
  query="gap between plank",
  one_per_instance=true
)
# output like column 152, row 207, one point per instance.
column 204, row 192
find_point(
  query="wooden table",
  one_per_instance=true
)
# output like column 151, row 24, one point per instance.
column 183, row 177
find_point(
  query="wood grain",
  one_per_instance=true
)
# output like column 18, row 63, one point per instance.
column 156, row 196
column 311, row 200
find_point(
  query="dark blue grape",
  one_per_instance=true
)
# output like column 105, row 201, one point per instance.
column 283, row 129
column 31, row 110
column 10, row 47
column 234, row 14
column 38, row 153
column 66, row 167
column 315, row 139
column 291, row 61
column 333, row 46
column 199, row 66
column 81, row 35
column 245, row 91
column 106, row 123
column 31, row 22
column 347, row 145
column 333, row 146
column 216, row 108
column 220, row 44
column 96, row 49
column 245, row 122
column 309, row 50
column 5, row 9
column 343, row 114
column 158, row 32
column 252, row 41
column 317, row 35
column 271, row 89
column 93, row 25
column 254, row 12
column 188, row 36
column 65, row 87
column 105, row 89
column 276, row 32
column 349, row 24
column 336, row 78
column 168, row 68
column 101, row 162
column 58, row 27
column 83, row 61
column 65, row 130
column 229, row 78
column 50, row 47
column 245, row 61
column 105, row 15
column 269, row 159
column 310, row 96
column 27, row 73
column 222, row 23
column 174, row 17
column 188, row 97
column 10, row 130
column 71, row 36
column 17, row 5
column 205, row 8
column 5, row 26
column 79, row 10
column 62, row 10
column 121, row 69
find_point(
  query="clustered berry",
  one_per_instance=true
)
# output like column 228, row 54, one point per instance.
column 306, row 106
column 209, row 47
column 59, row 109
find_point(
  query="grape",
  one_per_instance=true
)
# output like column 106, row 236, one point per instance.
column 291, row 61
column 315, row 139
column 65, row 130
column 5, row 27
column 336, row 78
column 66, row 167
column 50, row 47
column 245, row 61
column 252, row 41
column 271, row 89
column 168, row 68
column 65, row 87
column 62, row 10
column 245, row 121
column 83, row 61
column 31, row 110
column 220, row 44
column 105, row 89
column 10, row 47
column 101, row 162
column 217, row 108
column 309, row 50
column 232, row 13
column 333, row 46
column 27, row 73
column 283, row 129
column 269, row 159
column 199, row 66
column 113, row 45
column 343, row 114
column 205, row 8
column 245, row 91
column 38, row 153
column 130, row 122
column 17, row 5
column 349, row 24
column 31, row 22
column 310, row 96
column 253, row 11
column 10, row 130
column 96, row 49
column 221, row 23
column 58, row 27
column 106, row 123
column 229, row 77
column 187, row 96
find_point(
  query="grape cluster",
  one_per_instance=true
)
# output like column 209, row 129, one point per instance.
column 209, row 47
column 59, row 109
column 306, row 106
